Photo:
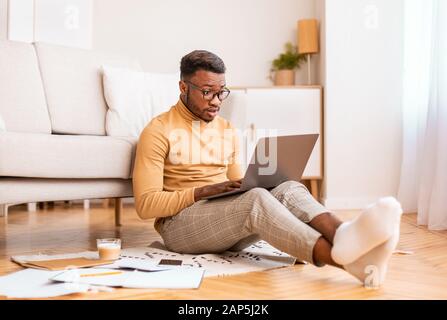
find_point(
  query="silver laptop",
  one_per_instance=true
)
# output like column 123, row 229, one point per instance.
column 269, row 168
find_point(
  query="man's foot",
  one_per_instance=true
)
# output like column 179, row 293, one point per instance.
column 371, row 268
column 376, row 225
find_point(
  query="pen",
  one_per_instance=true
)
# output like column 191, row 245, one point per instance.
column 100, row 274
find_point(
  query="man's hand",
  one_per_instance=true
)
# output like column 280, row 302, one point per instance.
column 217, row 188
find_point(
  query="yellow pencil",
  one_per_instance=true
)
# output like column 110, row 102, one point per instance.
column 100, row 274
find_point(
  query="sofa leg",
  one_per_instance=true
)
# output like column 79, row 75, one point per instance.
column 32, row 206
column 4, row 210
column 118, row 210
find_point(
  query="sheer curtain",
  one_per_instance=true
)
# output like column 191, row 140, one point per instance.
column 423, row 182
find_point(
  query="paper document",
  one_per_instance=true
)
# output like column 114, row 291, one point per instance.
column 32, row 283
column 181, row 278
column 136, row 264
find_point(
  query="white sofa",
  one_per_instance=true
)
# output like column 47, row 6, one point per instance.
column 54, row 145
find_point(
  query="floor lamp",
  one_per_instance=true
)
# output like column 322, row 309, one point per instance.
column 308, row 41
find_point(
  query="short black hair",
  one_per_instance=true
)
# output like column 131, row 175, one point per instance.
column 200, row 60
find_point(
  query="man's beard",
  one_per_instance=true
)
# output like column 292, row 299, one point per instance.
column 190, row 107
column 187, row 98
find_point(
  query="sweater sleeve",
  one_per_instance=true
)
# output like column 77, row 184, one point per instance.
column 150, row 199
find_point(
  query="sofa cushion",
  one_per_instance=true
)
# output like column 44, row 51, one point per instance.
column 65, row 156
column 72, row 81
column 134, row 97
column 22, row 100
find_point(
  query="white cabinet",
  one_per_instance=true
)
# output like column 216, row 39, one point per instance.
column 278, row 111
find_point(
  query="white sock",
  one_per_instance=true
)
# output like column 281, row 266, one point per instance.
column 371, row 268
column 375, row 225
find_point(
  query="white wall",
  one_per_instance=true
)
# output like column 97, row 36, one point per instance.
column 320, row 14
column 247, row 34
column 362, row 75
column 3, row 19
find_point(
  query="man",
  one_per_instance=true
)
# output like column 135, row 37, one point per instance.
column 171, row 178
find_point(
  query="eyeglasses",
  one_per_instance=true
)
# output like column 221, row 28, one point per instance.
column 209, row 95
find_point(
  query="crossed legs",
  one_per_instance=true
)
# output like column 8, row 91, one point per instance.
column 290, row 219
column 362, row 246
column 295, row 197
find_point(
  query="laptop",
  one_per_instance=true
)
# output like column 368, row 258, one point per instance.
column 270, row 168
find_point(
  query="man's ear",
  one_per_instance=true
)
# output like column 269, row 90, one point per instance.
column 183, row 87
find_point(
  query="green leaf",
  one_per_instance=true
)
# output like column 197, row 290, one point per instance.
column 290, row 59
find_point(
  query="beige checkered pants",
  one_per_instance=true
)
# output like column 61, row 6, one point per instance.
column 279, row 216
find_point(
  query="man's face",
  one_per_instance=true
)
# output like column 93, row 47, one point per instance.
column 192, row 96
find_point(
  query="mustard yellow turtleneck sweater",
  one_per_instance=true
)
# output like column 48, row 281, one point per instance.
column 178, row 152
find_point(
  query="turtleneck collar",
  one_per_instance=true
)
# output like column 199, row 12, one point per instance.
column 187, row 114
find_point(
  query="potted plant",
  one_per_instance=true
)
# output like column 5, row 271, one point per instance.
column 284, row 66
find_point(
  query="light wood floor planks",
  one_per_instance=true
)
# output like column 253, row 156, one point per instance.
column 422, row 275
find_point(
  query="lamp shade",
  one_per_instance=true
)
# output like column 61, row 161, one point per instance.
column 308, row 36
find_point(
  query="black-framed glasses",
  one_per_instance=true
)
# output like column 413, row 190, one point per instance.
column 209, row 95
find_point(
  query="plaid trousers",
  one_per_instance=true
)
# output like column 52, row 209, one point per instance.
column 279, row 216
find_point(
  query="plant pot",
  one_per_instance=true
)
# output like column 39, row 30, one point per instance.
column 284, row 77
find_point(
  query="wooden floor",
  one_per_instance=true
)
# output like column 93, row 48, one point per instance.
column 422, row 275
